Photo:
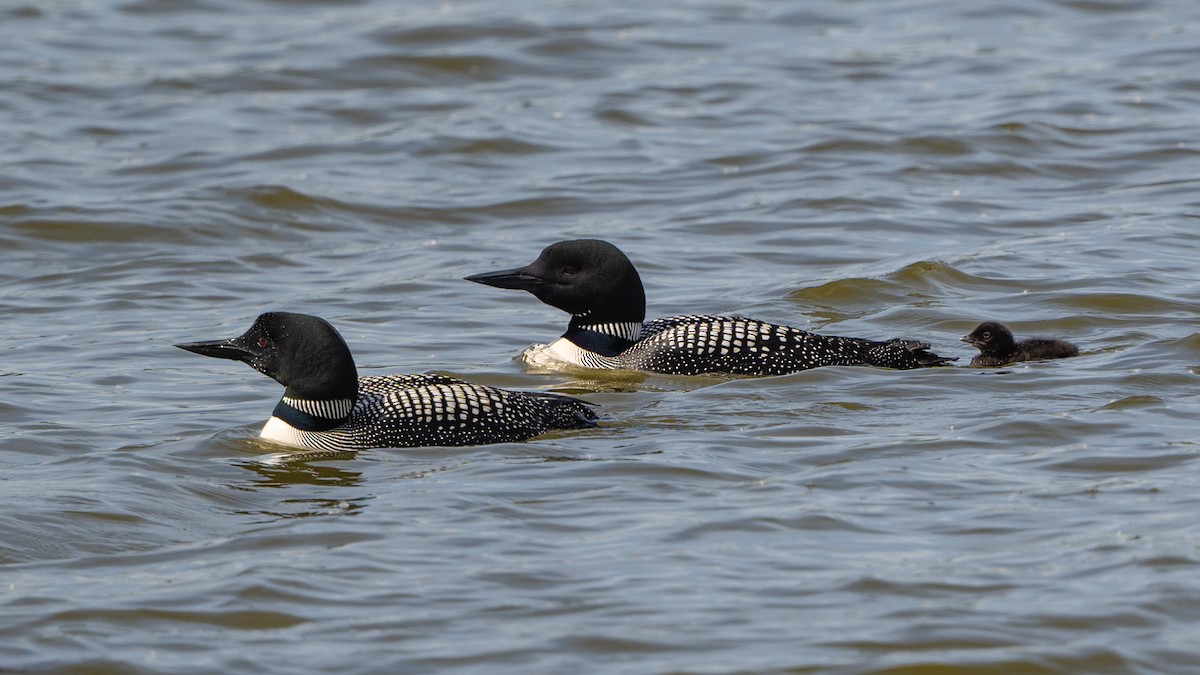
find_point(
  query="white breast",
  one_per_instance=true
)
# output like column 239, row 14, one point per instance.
column 278, row 431
column 561, row 352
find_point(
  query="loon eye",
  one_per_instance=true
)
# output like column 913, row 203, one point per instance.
column 263, row 342
column 569, row 270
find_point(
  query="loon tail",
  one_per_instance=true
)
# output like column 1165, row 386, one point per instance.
column 565, row 412
column 905, row 355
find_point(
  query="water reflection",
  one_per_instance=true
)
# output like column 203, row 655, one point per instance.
column 298, row 469
column 327, row 495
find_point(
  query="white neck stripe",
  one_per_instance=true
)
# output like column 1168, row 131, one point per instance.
column 335, row 409
column 627, row 330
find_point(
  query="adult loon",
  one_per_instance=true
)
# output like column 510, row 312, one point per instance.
column 327, row 406
column 997, row 346
column 596, row 284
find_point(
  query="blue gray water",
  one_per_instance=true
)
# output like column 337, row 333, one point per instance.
column 174, row 167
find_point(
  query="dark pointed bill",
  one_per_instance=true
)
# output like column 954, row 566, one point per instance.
column 221, row 349
column 515, row 278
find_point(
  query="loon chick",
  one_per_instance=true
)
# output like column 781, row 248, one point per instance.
column 327, row 406
column 595, row 283
column 997, row 346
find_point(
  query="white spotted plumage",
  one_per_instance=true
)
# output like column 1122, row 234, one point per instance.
column 696, row 344
column 436, row 410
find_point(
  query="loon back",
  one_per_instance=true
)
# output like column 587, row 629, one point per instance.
column 401, row 411
column 683, row 345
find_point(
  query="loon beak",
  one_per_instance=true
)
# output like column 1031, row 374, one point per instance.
column 519, row 279
column 221, row 349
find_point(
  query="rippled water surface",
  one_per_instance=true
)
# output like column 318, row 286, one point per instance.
column 174, row 167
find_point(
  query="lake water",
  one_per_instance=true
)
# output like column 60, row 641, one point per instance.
column 877, row 169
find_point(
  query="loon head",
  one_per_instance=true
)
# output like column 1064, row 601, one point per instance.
column 303, row 353
column 992, row 339
column 590, row 279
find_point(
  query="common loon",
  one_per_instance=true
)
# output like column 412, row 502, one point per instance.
column 327, row 406
column 997, row 346
column 595, row 283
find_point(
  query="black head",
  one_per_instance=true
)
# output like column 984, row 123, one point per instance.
column 303, row 353
column 584, row 277
column 992, row 339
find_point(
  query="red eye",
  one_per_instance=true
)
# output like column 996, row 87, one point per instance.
column 569, row 270
column 263, row 342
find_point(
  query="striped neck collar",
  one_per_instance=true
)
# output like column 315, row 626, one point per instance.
column 308, row 415
column 606, row 339
column 625, row 330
